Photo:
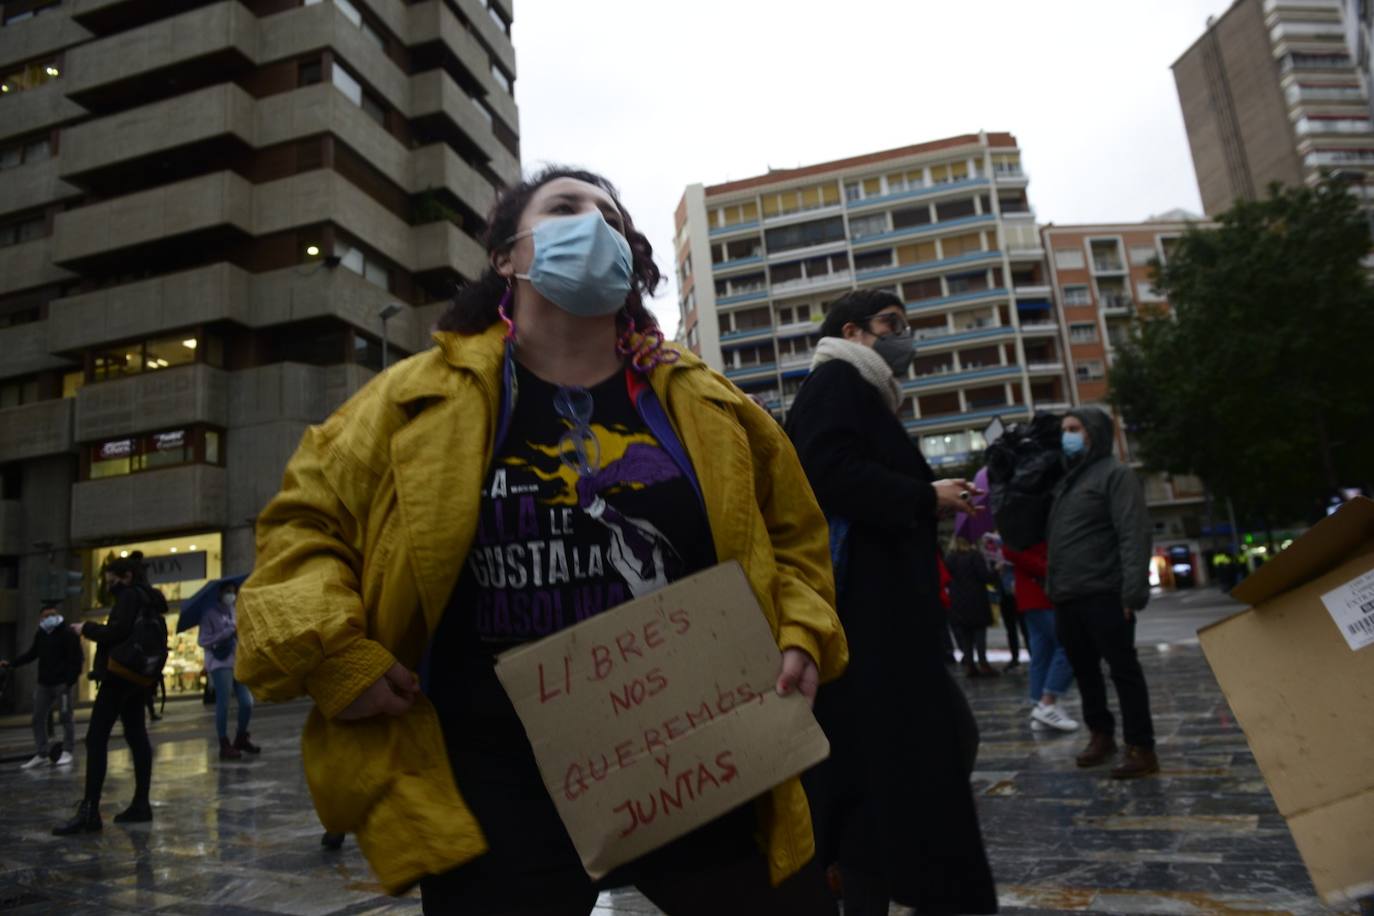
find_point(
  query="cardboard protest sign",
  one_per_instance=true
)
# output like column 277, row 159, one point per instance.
column 656, row 716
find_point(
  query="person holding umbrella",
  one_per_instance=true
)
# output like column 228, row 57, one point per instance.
column 212, row 608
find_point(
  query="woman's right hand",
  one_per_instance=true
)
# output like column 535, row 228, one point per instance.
column 392, row 695
column 955, row 495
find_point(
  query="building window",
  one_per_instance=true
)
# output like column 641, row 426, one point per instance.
column 374, row 108
column 350, row 11
column 144, row 356
column 1069, row 259
column 345, row 83
column 153, row 451
column 18, row 231
column 15, row 392
column 500, row 76
column 805, row 235
column 1141, row 255
column 22, row 10
column 1077, row 295
column 911, row 216
column 29, row 76
column 500, row 20
column 25, row 152
column 861, row 226
column 308, row 72
column 370, row 267
column 1083, row 333
column 1089, row 370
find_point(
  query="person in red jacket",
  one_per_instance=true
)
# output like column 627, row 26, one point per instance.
column 1050, row 672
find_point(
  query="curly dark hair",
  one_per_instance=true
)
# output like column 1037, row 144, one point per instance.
column 474, row 305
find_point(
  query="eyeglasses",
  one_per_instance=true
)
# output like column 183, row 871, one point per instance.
column 894, row 323
column 578, row 447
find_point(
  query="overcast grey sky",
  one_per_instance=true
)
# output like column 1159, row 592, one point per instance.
column 658, row 95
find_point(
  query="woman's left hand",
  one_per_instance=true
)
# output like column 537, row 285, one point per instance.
column 799, row 672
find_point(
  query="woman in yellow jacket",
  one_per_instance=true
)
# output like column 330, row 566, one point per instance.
column 549, row 459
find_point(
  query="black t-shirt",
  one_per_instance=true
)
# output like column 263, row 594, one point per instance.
column 555, row 545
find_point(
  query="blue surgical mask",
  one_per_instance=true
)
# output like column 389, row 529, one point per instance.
column 581, row 265
column 50, row 623
column 1072, row 443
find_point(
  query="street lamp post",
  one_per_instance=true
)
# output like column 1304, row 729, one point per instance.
column 390, row 310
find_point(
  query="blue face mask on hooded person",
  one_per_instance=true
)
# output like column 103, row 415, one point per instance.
column 580, row 264
column 1072, row 443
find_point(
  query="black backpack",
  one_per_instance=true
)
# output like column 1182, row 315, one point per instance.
column 145, row 651
column 1024, row 465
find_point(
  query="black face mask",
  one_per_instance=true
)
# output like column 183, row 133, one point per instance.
column 897, row 350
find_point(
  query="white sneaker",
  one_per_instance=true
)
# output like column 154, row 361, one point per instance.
column 38, row 760
column 64, row 760
column 1038, row 726
column 1054, row 717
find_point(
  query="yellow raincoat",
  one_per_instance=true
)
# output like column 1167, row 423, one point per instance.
column 359, row 552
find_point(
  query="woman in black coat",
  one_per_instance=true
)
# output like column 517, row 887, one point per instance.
column 892, row 805
column 970, row 609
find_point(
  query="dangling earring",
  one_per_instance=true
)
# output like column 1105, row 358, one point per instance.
column 503, row 310
column 643, row 349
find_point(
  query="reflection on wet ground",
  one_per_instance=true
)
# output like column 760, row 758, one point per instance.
column 240, row 837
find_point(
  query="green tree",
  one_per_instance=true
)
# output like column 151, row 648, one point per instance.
column 1259, row 380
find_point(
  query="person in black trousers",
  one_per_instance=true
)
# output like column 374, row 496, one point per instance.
column 970, row 607
column 1099, row 556
column 121, row 696
column 892, row 806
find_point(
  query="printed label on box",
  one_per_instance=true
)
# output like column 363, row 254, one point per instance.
column 1352, row 607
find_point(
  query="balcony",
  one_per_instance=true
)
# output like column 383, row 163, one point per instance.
column 929, row 191
column 442, row 246
column 1045, row 367
column 746, row 372
column 967, row 418
column 732, row 229
column 1334, row 95
column 12, row 527
column 438, row 166
column 747, row 335
column 438, row 105
column 879, row 273
column 1116, row 304
column 492, row 36
column 35, row 109
column 206, row 45
column 432, row 23
column 185, row 123
column 162, row 399
column 736, row 264
column 39, row 37
column 972, row 297
column 33, row 185
column 1040, row 328
column 36, row 430
column 218, row 292
column 176, row 499
column 839, row 277
column 26, row 350
column 1033, row 291
column 959, row 378
column 743, row 294
column 29, row 264
column 1108, row 266
column 935, row 228
column 211, row 209
column 1334, row 126
column 804, row 214
column 798, row 329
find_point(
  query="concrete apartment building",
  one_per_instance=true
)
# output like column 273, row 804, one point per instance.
column 1101, row 277
column 1272, row 92
column 205, row 209
column 946, row 225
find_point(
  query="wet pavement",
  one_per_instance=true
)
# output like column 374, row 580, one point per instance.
column 240, row 837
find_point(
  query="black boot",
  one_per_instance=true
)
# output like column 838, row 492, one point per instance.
column 138, row 812
column 242, row 743
column 227, row 751
column 87, row 820
column 332, row 841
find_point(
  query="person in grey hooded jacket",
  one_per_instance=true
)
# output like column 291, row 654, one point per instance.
column 1099, row 556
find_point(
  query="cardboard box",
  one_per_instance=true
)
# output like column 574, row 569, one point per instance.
column 1298, row 671
column 659, row 715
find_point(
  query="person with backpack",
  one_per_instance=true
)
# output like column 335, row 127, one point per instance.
column 58, row 653
column 219, row 638
column 131, row 648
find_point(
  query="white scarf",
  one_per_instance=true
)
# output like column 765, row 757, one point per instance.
column 871, row 366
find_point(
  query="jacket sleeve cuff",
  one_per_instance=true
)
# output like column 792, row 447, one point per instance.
column 340, row 679
column 794, row 636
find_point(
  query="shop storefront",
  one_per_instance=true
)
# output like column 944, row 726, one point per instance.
column 178, row 566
